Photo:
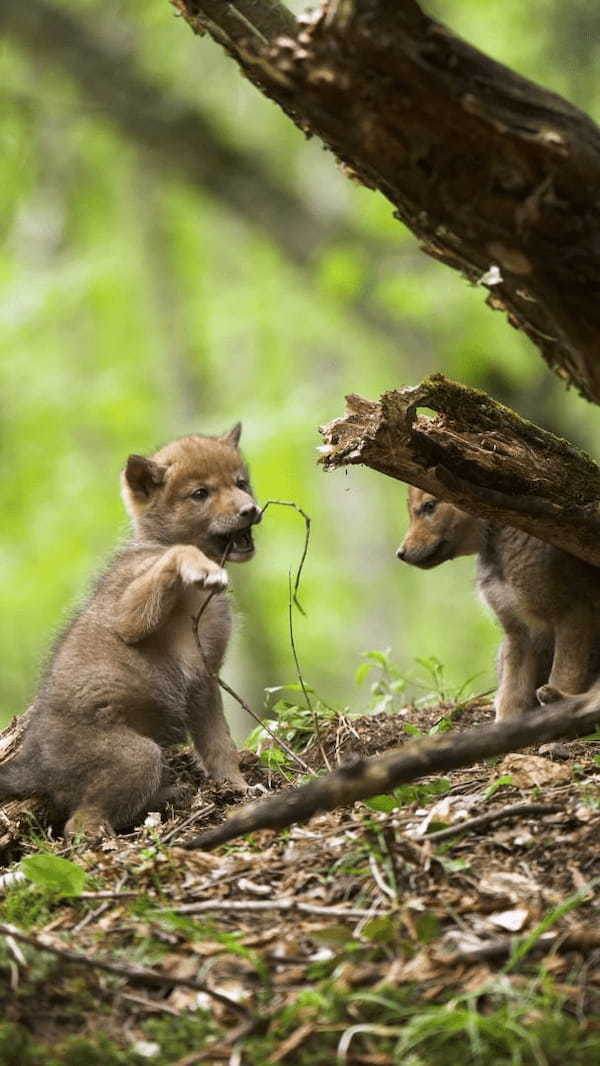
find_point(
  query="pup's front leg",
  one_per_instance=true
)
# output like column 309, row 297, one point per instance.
column 150, row 598
column 212, row 739
column 518, row 671
column 573, row 644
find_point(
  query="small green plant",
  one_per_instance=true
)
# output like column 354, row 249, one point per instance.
column 292, row 721
column 407, row 794
column 289, row 717
column 504, row 781
column 392, row 689
column 388, row 683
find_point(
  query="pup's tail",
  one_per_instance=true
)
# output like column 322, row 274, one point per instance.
column 17, row 780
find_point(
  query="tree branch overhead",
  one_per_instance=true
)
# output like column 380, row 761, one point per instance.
column 496, row 176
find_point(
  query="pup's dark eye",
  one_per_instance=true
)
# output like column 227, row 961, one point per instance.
column 429, row 506
column 200, row 494
column 242, row 483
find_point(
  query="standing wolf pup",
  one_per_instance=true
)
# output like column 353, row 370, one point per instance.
column 130, row 676
column 547, row 602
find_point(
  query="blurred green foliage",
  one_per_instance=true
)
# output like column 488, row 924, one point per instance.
column 136, row 308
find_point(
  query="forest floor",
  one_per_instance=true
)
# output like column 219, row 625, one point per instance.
column 392, row 932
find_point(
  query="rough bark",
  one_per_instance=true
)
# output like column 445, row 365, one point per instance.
column 496, row 176
column 472, row 451
column 370, row 777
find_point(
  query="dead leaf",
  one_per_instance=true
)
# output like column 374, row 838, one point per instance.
column 513, row 920
column 528, row 771
column 424, row 966
column 584, row 813
column 506, row 885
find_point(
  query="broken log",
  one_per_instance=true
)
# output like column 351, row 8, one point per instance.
column 360, row 780
column 495, row 176
column 466, row 448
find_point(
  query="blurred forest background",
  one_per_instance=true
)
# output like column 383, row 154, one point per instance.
column 175, row 256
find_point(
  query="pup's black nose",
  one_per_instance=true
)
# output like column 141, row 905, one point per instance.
column 250, row 512
column 401, row 552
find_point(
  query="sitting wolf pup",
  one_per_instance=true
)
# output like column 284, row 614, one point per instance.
column 129, row 676
column 547, row 602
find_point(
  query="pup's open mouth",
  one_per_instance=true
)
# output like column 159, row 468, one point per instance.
column 241, row 544
column 233, row 547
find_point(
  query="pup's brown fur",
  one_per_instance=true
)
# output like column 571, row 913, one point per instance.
column 547, row 602
column 127, row 678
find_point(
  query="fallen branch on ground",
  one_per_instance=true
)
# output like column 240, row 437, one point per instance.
column 120, row 969
column 515, row 810
column 477, row 454
column 585, row 940
column 370, row 777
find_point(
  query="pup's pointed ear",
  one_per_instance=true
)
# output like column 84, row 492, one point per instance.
column 233, row 437
column 143, row 475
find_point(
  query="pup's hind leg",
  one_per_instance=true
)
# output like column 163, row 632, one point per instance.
column 573, row 641
column 121, row 782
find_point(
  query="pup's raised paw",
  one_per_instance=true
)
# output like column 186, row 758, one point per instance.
column 195, row 569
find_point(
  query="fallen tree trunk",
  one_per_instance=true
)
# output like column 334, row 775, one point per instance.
column 496, row 177
column 477, row 454
column 370, row 777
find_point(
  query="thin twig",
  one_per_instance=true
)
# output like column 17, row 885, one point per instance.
column 223, row 1049
column 379, row 879
column 115, row 894
column 151, row 1005
column 293, row 598
column 312, row 710
column 194, row 817
column 290, row 503
column 91, row 916
column 121, row 969
column 387, row 840
column 282, row 744
column 512, row 811
column 283, row 903
column 223, row 684
column 213, row 592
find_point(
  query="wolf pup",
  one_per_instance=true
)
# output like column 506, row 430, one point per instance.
column 133, row 673
column 547, row 602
